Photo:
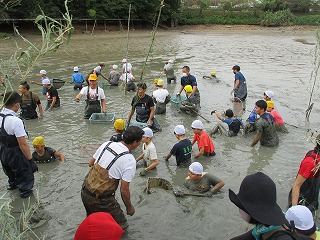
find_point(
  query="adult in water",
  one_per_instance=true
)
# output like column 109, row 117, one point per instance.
column 53, row 99
column 29, row 103
column 143, row 105
column 95, row 98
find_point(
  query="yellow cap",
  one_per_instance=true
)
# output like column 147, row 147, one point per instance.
column 213, row 73
column 188, row 88
column 160, row 82
column 119, row 124
column 155, row 81
column 93, row 77
column 38, row 141
column 270, row 104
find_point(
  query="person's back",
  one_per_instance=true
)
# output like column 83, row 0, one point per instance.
column 114, row 77
column 182, row 152
column 77, row 78
column 266, row 127
column 168, row 68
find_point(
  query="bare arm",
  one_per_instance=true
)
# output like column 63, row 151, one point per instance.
column 40, row 84
column 139, row 157
column 40, row 110
column 78, row 97
column 103, row 105
column 125, row 195
column 59, row 155
column 218, row 115
column 296, row 189
column 91, row 162
column 168, row 156
column 153, row 165
column 104, row 76
column 256, row 139
column 236, row 84
column 130, row 114
column 24, row 147
column 180, row 90
column 201, row 152
column 194, row 89
column 217, row 187
column 151, row 116
column 54, row 99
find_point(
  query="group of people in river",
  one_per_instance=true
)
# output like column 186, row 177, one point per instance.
column 113, row 162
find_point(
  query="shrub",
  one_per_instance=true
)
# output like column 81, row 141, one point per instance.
column 279, row 18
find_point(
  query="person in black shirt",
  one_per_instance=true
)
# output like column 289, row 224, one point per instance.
column 119, row 127
column 53, row 100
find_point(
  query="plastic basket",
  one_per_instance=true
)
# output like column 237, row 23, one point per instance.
column 138, row 124
column 57, row 83
column 176, row 100
column 102, row 118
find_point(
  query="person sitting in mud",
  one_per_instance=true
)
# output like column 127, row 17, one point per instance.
column 95, row 98
column 114, row 76
column 182, row 149
column 205, row 144
column 77, row 79
column 161, row 98
column 213, row 77
column 53, row 100
column 202, row 182
column 43, row 154
column 266, row 131
column 190, row 105
column 149, row 152
column 143, row 105
column 119, row 126
column 234, row 124
column 128, row 79
column 280, row 126
column 250, row 125
column 29, row 103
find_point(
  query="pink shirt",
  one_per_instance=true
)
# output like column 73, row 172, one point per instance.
column 277, row 118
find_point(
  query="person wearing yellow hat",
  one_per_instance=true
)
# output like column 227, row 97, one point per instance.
column 43, row 154
column 190, row 105
column 213, row 76
column 119, row 126
column 278, row 121
column 161, row 97
column 95, row 98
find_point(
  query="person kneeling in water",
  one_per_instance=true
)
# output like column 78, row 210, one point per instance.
column 234, row 124
column 44, row 154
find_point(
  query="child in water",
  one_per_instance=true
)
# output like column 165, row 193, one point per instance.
column 119, row 126
column 280, row 127
column 44, row 154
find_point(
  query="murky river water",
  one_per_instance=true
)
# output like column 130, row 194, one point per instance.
column 270, row 60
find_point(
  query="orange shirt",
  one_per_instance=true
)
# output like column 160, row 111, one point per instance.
column 204, row 141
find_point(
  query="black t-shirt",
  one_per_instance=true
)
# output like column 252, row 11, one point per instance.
column 52, row 92
column 146, row 101
column 182, row 151
column 48, row 155
column 117, row 137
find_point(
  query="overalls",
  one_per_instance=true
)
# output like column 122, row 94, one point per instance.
column 92, row 106
column 98, row 190
column 15, row 165
column 28, row 110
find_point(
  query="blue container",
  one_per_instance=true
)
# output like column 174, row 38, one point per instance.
column 105, row 118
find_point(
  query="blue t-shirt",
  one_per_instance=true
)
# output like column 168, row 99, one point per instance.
column 233, row 124
column 77, row 78
column 188, row 80
column 182, row 151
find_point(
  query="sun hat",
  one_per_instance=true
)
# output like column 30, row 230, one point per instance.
column 114, row 66
column 119, row 124
column 196, row 168
column 46, row 81
column 258, row 197
column 270, row 104
column 213, row 73
column 270, row 94
column 197, row 124
column 179, row 130
column 170, row 61
column 124, row 60
column 38, row 141
column 188, row 88
column 75, row 69
column 160, row 82
column 302, row 218
column 93, row 77
column 43, row 72
column 155, row 81
column 147, row 132
column 97, row 226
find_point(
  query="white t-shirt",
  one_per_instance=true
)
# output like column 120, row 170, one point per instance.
column 97, row 69
column 12, row 124
column 129, row 67
column 123, row 168
column 160, row 95
column 149, row 153
column 42, row 80
column 127, row 76
column 93, row 93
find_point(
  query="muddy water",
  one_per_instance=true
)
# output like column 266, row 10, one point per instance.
column 271, row 59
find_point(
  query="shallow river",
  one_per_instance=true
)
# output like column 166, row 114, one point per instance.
column 271, row 59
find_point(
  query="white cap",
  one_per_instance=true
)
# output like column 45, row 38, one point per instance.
column 170, row 61
column 124, row 60
column 301, row 216
column 197, row 124
column 147, row 132
column 76, row 69
column 43, row 72
column 114, row 66
column 46, row 81
column 196, row 168
column 180, row 130
column 270, row 94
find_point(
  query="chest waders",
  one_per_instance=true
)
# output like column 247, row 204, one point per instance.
column 15, row 165
column 97, row 182
column 92, row 106
column 28, row 110
column 142, row 111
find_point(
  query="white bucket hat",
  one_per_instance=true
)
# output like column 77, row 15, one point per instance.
column 196, row 168
column 43, row 72
column 75, row 69
column 147, row 132
column 197, row 124
column 180, row 130
column 270, row 94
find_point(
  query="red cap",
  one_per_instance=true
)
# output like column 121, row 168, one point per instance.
column 99, row 226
